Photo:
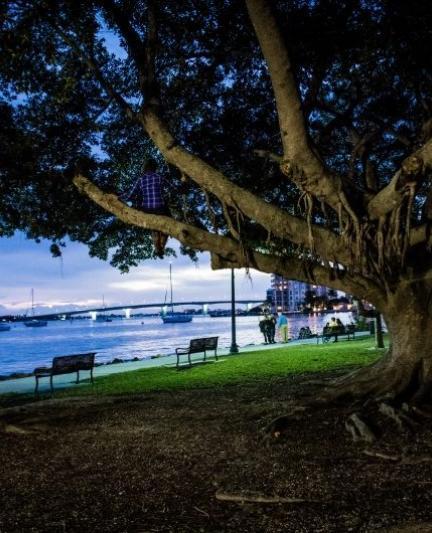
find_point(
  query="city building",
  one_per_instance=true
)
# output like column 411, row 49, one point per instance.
column 289, row 295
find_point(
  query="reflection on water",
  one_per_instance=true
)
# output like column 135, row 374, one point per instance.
column 22, row 349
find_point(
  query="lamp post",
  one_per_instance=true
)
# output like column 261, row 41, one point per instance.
column 378, row 331
column 233, row 347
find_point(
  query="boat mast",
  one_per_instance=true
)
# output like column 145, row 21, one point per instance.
column 172, row 306
column 32, row 298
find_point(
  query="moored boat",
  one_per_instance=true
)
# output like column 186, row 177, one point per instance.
column 174, row 317
column 34, row 322
column 103, row 317
column 4, row 327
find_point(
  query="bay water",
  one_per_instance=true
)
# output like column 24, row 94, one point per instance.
column 22, row 349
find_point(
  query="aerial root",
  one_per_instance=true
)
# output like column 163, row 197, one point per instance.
column 410, row 192
column 355, row 221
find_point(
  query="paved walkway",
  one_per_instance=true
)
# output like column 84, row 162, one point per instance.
column 26, row 385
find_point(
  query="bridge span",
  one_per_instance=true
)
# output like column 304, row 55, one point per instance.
column 127, row 308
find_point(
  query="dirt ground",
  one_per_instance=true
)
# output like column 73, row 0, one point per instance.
column 162, row 462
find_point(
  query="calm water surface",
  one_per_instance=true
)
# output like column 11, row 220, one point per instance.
column 22, row 349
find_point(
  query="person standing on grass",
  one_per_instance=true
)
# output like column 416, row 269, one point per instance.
column 263, row 325
column 271, row 328
column 282, row 325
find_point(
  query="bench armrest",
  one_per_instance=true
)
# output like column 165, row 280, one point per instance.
column 182, row 351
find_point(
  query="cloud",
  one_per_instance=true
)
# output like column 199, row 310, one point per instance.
column 137, row 285
column 81, row 281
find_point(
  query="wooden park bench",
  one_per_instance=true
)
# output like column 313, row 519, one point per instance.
column 328, row 333
column 65, row 365
column 350, row 330
column 198, row 346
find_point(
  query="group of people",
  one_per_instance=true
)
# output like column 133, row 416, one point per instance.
column 335, row 327
column 268, row 324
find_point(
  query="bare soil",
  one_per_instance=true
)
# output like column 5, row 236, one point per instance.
column 161, row 463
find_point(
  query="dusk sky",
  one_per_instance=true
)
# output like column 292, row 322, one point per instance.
column 81, row 280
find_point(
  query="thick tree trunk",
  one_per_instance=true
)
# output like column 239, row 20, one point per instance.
column 405, row 372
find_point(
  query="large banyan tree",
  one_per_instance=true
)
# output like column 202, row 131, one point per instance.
column 295, row 137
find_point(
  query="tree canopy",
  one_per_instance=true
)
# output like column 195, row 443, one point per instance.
column 295, row 137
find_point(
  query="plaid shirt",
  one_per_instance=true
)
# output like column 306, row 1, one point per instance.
column 147, row 192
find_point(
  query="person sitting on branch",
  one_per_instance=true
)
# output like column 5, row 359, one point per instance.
column 147, row 195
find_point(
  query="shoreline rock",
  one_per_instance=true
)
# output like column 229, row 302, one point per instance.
column 115, row 361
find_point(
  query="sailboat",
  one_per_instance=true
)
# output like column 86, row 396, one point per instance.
column 34, row 322
column 4, row 326
column 172, row 317
column 103, row 317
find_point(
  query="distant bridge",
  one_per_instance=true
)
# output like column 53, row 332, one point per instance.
column 127, row 308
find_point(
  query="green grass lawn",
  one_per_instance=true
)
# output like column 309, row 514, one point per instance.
column 243, row 369
column 240, row 369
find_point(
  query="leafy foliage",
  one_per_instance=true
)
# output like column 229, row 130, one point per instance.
column 363, row 67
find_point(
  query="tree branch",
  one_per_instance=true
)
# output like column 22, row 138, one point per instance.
column 411, row 171
column 143, row 53
column 226, row 252
column 187, row 234
column 131, row 37
column 300, row 270
column 301, row 162
column 275, row 220
column 291, row 120
column 266, row 154
column 94, row 67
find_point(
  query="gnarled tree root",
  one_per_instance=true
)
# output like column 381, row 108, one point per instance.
column 359, row 429
column 401, row 419
column 383, row 380
column 386, row 390
column 256, row 498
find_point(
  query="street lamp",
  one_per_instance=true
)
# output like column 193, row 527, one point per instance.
column 233, row 347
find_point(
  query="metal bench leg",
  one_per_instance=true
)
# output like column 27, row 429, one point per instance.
column 216, row 355
column 91, row 375
column 205, row 355
column 51, row 384
column 189, row 359
column 37, row 385
column 77, row 380
column 178, row 360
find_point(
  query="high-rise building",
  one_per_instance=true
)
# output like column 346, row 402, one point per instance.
column 319, row 290
column 289, row 295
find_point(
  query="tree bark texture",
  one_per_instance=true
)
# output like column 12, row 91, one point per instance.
column 404, row 373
